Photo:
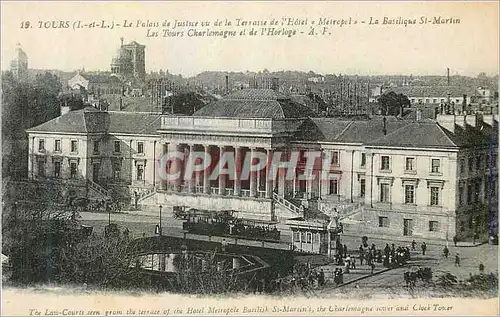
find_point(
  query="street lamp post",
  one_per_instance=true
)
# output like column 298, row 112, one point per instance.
column 160, row 221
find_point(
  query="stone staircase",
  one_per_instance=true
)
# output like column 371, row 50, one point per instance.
column 97, row 190
column 287, row 205
column 144, row 195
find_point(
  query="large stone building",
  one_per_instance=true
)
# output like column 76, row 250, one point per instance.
column 423, row 179
column 19, row 63
column 129, row 61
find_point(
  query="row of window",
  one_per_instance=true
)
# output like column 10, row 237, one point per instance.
column 73, row 169
column 383, row 222
column 57, row 145
column 476, row 191
column 433, row 100
column 409, row 194
column 478, row 163
column 306, row 237
column 385, row 164
column 74, row 146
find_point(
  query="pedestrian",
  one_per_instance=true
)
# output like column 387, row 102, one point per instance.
column 345, row 249
column 413, row 245
column 361, row 258
column 387, row 249
column 455, row 240
column 446, row 251
column 457, row 260
column 373, row 248
column 341, row 277
column 481, row 267
column 353, row 264
column 373, row 267
column 424, row 247
column 321, row 278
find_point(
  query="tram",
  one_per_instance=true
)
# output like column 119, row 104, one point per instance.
column 225, row 223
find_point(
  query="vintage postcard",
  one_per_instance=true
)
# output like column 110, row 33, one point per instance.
column 249, row 158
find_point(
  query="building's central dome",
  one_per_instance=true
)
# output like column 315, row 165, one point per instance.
column 256, row 103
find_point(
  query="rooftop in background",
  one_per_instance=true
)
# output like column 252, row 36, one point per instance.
column 433, row 91
column 256, row 103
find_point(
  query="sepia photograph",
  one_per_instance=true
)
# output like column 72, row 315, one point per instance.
column 249, row 158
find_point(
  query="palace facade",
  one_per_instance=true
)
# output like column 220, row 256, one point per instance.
column 423, row 179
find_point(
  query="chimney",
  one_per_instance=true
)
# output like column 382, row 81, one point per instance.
column 464, row 103
column 489, row 119
column 471, row 120
column 460, row 120
column 227, row 84
column 446, row 121
column 448, row 75
column 121, row 40
column 64, row 110
column 385, row 126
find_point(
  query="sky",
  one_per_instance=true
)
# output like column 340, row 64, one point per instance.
column 467, row 48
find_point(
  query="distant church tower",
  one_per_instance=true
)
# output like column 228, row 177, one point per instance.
column 19, row 63
column 129, row 60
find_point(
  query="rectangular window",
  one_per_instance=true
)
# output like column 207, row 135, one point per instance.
column 74, row 146
column 117, row 147
column 363, row 159
column 362, row 187
column 57, row 145
column 477, row 191
column 385, row 163
column 434, row 196
column 435, row 165
column 116, row 171
column 41, row 168
column 73, row 169
column 383, row 222
column 335, row 158
column 471, row 164
column 462, row 166
column 409, row 194
column 433, row 226
column 309, row 237
column 434, row 100
column 384, row 193
column 296, row 236
column 140, row 172
column 460, row 195
column 57, row 169
column 410, row 164
column 469, row 194
column 140, row 147
column 41, row 145
column 334, row 187
column 478, row 163
column 96, row 146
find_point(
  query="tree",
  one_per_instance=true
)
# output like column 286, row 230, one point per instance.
column 391, row 103
column 72, row 101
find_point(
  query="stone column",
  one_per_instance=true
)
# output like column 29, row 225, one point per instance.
column 164, row 182
column 253, row 178
column 222, row 178
column 191, row 181
column 175, row 167
column 237, row 164
column 206, row 172
column 269, row 178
